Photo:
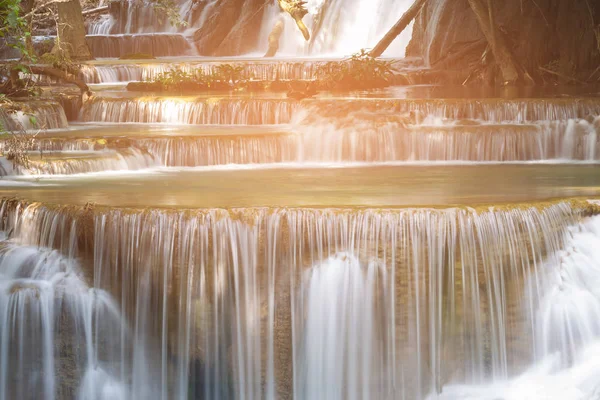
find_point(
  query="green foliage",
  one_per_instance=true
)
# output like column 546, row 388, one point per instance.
column 175, row 78
column 228, row 73
column 17, row 147
column 17, row 142
column 224, row 76
column 61, row 60
column 361, row 71
column 15, row 29
column 170, row 10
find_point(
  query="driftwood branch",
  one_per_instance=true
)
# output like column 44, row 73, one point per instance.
column 453, row 55
column 398, row 28
column 94, row 11
column 563, row 76
column 274, row 37
column 594, row 73
column 43, row 6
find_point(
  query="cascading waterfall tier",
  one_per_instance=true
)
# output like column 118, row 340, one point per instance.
column 181, row 110
column 365, row 135
column 78, row 162
column 361, row 141
column 274, row 303
column 156, row 44
column 267, row 71
column 252, row 111
column 52, row 322
column 487, row 109
column 36, row 115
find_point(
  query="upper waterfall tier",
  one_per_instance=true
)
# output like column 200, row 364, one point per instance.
column 239, row 27
column 159, row 45
column 279, row 303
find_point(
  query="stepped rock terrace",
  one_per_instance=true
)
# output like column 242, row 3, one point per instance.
column 401, row 243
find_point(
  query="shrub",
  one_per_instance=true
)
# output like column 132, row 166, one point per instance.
column 361, row 71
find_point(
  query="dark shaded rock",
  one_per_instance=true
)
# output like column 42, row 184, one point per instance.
column 214, row 31
column 158, row 45
column 232, row 28
column 539, row 33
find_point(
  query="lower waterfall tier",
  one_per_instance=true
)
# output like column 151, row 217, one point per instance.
column 296, row 303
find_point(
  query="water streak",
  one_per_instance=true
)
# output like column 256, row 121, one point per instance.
column 228, row 111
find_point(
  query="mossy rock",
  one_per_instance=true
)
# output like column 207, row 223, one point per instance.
column 137, row 56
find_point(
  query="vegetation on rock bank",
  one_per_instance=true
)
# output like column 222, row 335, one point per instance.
column 359, row 72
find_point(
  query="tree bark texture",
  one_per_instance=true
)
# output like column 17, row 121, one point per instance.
column 502, row 55
column 71, row 31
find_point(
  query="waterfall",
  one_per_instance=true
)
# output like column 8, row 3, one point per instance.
column 253, row 111
column 102, row 26
column 343, row 313
column 234, row 303
column 179, row 110
column 267, row 71
column 486, row 109
column 341, row 28
column 565, row 326
column 78, row 163
column 53, row 324
column 355, row 138
column 38, row 115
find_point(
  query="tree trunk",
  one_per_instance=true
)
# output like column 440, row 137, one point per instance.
column 274, row 37
column 397, row 29
column 504, row 59
column 71, row 31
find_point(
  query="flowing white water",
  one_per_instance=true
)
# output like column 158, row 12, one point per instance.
column 57, row 335
column 340, row 27
column 340, row 352
column 566, row 326
column 331, row 304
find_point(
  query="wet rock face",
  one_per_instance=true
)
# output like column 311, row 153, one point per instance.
column 539, row 32
column 231, row 29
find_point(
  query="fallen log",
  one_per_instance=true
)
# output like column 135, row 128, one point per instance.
column 398, row 28
column 94, row 11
